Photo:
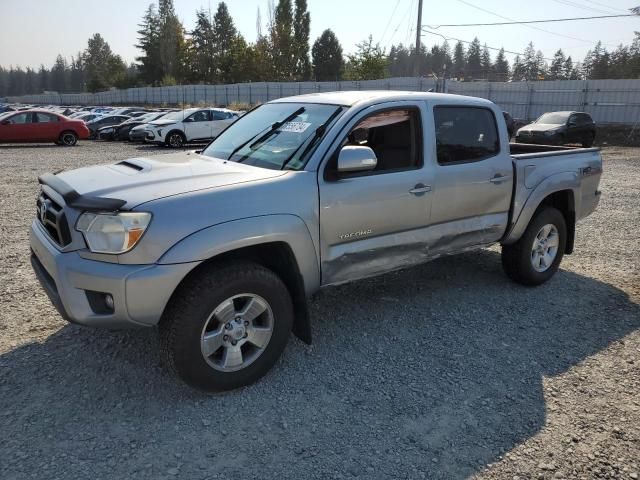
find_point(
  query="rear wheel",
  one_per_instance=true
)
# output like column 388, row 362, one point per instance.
column 536, row 257
column 175, row 139
column 226, row 327
column 68, row 139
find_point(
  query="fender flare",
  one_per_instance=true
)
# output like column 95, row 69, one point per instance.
column 550, row 185
column 225, row 237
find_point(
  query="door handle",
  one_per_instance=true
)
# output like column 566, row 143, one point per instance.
column 499, row 179
column 419, row 189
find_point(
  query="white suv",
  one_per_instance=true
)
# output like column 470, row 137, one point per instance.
column 190, row 125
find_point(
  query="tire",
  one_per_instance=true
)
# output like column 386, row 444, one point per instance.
column 201, row 307
column 587, row 142
column 175, row 139
column 68, row 139
column 518, row 259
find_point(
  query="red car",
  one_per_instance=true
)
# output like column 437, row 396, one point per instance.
column 41, row 126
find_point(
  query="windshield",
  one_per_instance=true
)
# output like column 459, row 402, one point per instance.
column 252, row 139
column 558, row 118
column 179, row 115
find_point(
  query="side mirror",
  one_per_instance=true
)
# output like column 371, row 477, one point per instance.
column 186, row 120
column 356, row 159
column 5, row 122
column 572, row 123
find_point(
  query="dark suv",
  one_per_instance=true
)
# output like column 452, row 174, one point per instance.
column 559, row 128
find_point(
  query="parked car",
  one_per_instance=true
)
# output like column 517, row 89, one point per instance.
column 559, row 128
column 104, row 121
column 190, row 126
column 222, row 249
column 41, row 126
column 121, row 131
column 510, row 122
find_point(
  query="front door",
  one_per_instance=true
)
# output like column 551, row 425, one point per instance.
column 371, row 222
column 16, row 128
column 197, row 126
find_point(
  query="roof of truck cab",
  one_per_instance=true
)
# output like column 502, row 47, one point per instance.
column 350, row 98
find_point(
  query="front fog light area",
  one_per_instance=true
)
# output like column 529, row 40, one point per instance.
column 100, row 302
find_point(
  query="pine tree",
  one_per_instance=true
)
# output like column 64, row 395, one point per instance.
column 368, row 63
column 500, row 67
column 301, row 29
column 485, row 63
column 282, row 42
column 202, row 50
column 557, row 70
column 59, row 75
column 473, row 67
column 327, row 57
column 104, row 69
column 229, row 46
column 148, row 41
column 459, row 61
column 519, row 70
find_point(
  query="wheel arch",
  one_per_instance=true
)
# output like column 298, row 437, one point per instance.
column 175, row 130
column 281, row 243
column 560, row 191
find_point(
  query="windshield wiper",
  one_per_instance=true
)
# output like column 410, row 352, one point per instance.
column 264, row 136
column 317, row 135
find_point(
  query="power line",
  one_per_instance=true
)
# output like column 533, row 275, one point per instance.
column 445, row 37
column 389, row 22
column 530, row 21
column 578, row 5
column 528, row 26
column 606, row 6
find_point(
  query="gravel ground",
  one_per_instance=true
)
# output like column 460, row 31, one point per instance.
column 447, row 370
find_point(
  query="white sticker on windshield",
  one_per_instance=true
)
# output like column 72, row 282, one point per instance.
column 295, row 127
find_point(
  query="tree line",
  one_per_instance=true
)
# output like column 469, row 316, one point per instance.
column 215, row 52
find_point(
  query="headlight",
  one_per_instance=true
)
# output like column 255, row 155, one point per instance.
column 159, row 133
column 118, row 233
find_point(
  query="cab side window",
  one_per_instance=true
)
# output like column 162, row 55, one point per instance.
column 44, row 118
column 219, row 115
column 465, row 134
column 20, row 119
column 201, row 116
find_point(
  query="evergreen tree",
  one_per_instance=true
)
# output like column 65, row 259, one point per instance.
column 283, row 48
column 104, row 69
column 172, row 51
column 557, row 69
column 43, row 79
column 459, row 61
column 327, row 57
column 301, row 29
column 500, row 70
column 519, row 70
column 202, row 51
column 485, row 63
column 368, row 63
column 148, row 41
column 59, row 78
column 473, row 68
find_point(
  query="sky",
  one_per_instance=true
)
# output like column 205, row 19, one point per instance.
column 33, row 32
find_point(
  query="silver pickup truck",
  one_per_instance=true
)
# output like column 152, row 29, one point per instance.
column 222, row 248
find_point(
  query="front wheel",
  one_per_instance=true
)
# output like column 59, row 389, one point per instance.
column 226, row 327
column 68, row 139
column 536, row 257
column 175, row 140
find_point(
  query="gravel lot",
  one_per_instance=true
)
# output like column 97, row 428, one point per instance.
column 447, row 370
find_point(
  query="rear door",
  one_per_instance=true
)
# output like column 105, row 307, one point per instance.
column 45, row 126
column 197, row 126
column 374, row 221
column 473, row 178
column 221, row 120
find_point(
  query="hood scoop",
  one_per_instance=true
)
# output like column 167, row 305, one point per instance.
column 130, row 167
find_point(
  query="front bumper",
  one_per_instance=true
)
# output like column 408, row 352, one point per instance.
column 140, row 292
column 538, row 139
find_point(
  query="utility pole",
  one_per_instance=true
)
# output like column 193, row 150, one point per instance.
column 416, row 62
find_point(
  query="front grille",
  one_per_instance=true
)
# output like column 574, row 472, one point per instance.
column 51, row 216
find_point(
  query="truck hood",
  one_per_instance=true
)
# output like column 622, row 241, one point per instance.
column 140, row 180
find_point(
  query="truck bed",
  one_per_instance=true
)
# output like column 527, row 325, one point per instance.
column 521, row 149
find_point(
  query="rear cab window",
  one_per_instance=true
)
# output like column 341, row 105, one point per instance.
column 465, row 134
